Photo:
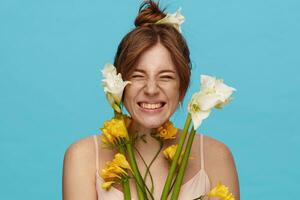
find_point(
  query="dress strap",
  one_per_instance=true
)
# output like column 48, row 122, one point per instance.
column 202, row 151
column 97, row 152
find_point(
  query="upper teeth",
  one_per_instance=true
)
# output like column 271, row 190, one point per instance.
column 151, row 105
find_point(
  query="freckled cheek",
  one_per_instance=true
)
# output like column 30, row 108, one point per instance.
column 172, row 89
column 130, row 92
column 128, row 100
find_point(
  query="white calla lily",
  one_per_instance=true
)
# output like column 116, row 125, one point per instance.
column 113, row 85
column 195, row 109
column 108, row 69
column 213, row 94
column 212, row 85
column 176, row 19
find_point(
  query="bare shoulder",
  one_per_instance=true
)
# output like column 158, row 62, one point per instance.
column 79, row 170
column 79, row 156
column 82, row 149
column 212, row 145
column 215, row 151
column 217, row 154
column 215, row 148
column 220, row 164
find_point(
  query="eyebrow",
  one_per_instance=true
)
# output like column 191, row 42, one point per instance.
column 162, row 71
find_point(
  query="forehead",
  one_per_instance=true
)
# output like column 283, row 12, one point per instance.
column 157, row 58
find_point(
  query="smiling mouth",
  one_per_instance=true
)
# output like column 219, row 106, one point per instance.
column 151, row 106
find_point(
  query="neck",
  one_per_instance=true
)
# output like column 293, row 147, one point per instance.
column 145, row 145
column 136, row 128
column 143, row 134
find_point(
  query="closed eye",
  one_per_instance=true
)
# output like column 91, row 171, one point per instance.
column 167, row 77
column 137, row 76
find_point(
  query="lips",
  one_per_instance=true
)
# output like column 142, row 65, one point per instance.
column 151, row 106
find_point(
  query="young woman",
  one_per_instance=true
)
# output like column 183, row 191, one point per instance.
column 155, row 58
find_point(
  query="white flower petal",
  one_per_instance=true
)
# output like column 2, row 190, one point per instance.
column 108, row 69
column 208, row 101
column 198, row 117
column 176, row 19
column 224, row 90
column 213, row 94
column 222, row 104
column 207, row 82
column 113, row 84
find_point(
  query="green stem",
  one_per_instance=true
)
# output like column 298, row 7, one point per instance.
column 152, row 161
column 183, row 165
column 125, row 182
column 147, row 168
column 173, row 183
column 146, row 189
column 200, row 198
column 140, row 185
column 173, row 167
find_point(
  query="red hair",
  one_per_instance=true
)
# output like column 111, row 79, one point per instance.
column 146, row 35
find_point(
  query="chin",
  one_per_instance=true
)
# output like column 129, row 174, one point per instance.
column 151, row 123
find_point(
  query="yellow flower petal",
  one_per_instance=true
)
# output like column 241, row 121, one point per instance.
column 107, row 185
column 221, row 191
column 115, row 170
column 109, row 138
column 121, row 161
column 114, row 131
column 228, row 197
column 118, row 170
column 167, row 131
column 170, row 152
column 109, row 174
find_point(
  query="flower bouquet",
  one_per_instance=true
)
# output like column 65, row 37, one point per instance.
column 212, row 94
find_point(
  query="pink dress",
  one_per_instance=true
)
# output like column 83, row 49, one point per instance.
column 192, row 189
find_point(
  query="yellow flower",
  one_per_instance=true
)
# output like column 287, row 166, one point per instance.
column 170, row 152
column 121, row 161
column 114, row 170
column 111, row 172
column 114, row 131
column 107, row 185
column 107, row 138
column 167, row 131
column 221, row 191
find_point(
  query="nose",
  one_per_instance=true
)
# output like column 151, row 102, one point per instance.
column 151, row 88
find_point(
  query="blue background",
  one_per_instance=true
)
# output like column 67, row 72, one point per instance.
column 50, row 95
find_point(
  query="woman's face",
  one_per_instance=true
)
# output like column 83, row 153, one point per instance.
column 153, row 95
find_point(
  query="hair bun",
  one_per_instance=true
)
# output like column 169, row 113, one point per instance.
column 149, row 13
